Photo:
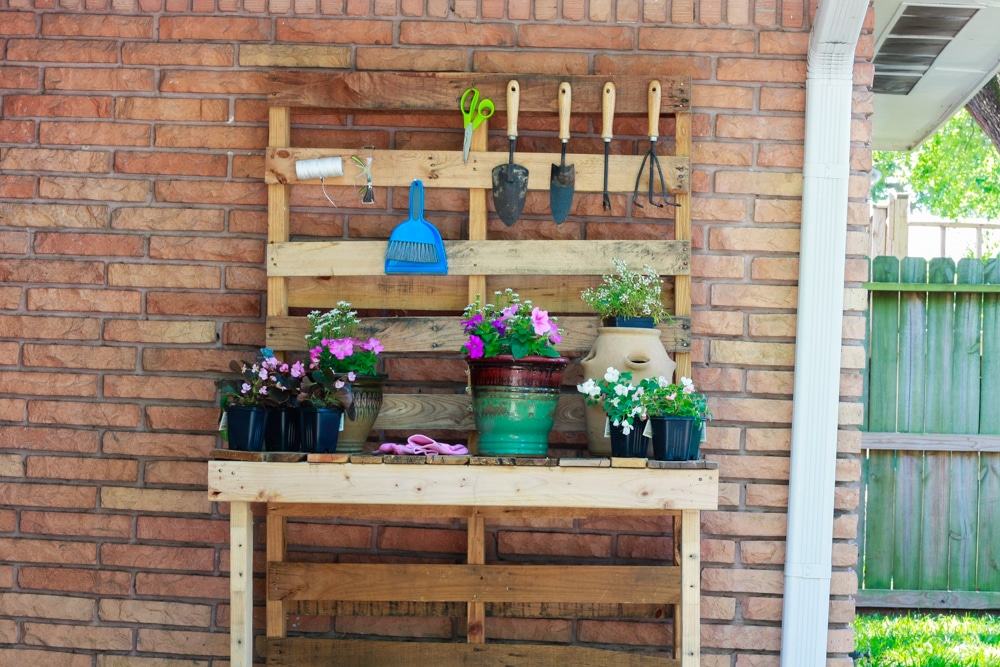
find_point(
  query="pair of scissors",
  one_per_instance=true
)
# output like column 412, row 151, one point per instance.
column 475, row 113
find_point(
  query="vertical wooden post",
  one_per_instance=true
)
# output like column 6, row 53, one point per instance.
column 241, row 584
column 899, row 210
column 682, row 232
column 690, row 620
column 477, row 232
column 476, row 632
column 276, row 552
column 279, row 136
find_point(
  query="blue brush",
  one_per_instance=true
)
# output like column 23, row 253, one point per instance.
column 415, row 246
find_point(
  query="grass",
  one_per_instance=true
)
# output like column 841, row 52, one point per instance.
column 937, row 640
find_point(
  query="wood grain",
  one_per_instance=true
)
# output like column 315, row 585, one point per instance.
column 471, row 258
column 471, row 582
column 441, row 91
column 363, row 653
column 493, row 486
column 446, row 169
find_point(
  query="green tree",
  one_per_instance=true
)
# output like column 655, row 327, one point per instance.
column 955, row 173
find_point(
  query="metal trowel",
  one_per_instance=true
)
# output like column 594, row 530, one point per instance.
column 563, row 179
column 510, row 181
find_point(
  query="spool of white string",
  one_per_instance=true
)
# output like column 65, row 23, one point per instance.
column 322, row 167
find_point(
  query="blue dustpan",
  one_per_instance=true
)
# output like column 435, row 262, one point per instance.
column 415, row 246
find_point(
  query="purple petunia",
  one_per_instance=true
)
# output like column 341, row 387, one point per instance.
column 475, row 346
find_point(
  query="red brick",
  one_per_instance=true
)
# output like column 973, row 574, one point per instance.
column 166, row 359
column 188, row 164
column 207, row 249
column 103, row 25
column 51, row 439
column 154, row 500
column 168, row 219
column 179, row 419
column 557, row 36
column 63, row 50
column 761, row 69
column 211, row 192
column 760, row 127
column 202, row 588
column 158, row 444
column 67, row 467
column 146, row 331
column 169, row 529
column 51, row 271
column 323, row 535
column 47, row 384
column 697, row 41
column 223, row 82
column 84, row 413
column 80, row 356
column 53, row 215
column 155, row 612
column 243, row 333
column 33, row 159
column 246, row 278
column 157, row 558
column 14, row 243
column 18, row 77
column 780, row 43
column 782, row 99
column 172, row 55
column 17, row 187
column 747, row 638
column 45, row 658
column 8, row 353
column 780, row 155
column 625, row 632
column 583, row 546
column 176, row 472
column 164, row 275
column 84, row 300
column 94, row 134
column 64, row 106
column 17, row 23
column 104, row 189
column 21, row 550
column 10, row 298
column 75, row 524
column 338, row 31
column 95, row 244
column 103, row 79
column 513, row 60
column 195, row 304
column 211, row 29
column 159, row 387
column 86, row 637
column 421, row 539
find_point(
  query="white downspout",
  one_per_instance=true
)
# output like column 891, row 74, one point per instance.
column 808, row 559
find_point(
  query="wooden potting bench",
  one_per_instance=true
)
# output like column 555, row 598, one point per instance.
column 551, row 272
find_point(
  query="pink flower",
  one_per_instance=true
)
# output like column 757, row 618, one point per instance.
column 263, row 373
column 475, row 346
column 555, row 337
column 351, row 376
column 245, row 389
column 298, row 370
column 373, row 345
column 262, row 391
column 540, row 321
column 341, row 347
column 284, row 368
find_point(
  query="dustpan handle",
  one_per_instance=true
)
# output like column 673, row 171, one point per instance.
column 417, row 195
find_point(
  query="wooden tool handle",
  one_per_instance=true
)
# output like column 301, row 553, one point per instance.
column 513, row 101
column 653, row 100
column 607, row 111
column 565, row 103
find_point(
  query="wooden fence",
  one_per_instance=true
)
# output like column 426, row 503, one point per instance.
column 931, row 477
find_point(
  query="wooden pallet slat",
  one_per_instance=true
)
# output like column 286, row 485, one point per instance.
column 477, row 257
column 362, row 653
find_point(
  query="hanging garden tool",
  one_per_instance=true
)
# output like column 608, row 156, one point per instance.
column 607, row 120
column 653, row 101
column 476, row 113
column 563, row 178
column 510, row 181
column 415, row 246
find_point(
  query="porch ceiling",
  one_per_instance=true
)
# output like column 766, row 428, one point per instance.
column 931, row 58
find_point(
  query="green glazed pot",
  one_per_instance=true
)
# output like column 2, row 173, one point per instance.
column 515, row 402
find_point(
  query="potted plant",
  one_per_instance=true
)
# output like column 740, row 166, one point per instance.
column 624, row 406
column 515, row 374
column 324, row 398
column 628, row 298
column 335, row 343
column 630, row 305
column 677, row 415
column 248, row 399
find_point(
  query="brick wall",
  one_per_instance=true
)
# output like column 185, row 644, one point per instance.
column 131, row 271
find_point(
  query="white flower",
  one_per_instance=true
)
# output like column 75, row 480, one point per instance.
column 623, row 389
column 612, row 374
column 688, row 385
column 626, row 427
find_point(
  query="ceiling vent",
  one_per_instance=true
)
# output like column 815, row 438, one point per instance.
column 916, row 39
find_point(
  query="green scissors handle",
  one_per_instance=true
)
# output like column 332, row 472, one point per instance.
column 476, row 112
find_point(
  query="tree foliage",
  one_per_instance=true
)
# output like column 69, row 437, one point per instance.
column 955, row 173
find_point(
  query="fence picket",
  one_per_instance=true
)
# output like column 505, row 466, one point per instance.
column 989, row 395
column 988, row 576
column 939, row 417
column 881, row 417
column 912, row 383
column 963, row 492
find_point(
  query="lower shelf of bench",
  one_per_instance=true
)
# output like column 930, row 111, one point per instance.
column 476, row 493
